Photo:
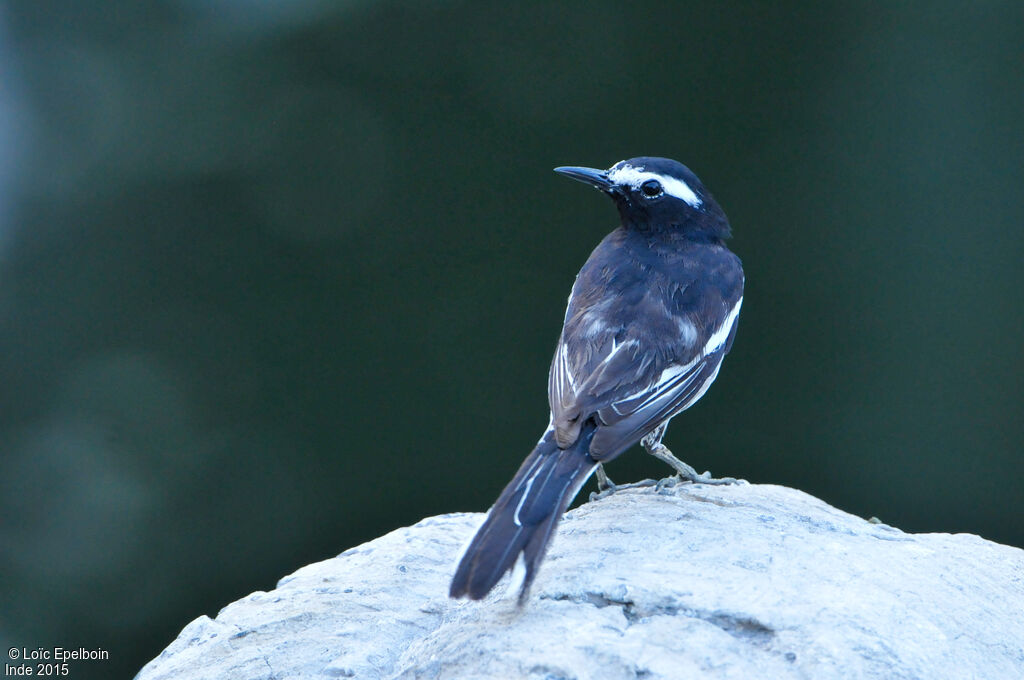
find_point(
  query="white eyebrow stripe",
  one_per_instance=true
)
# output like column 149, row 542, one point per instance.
column 634, row 177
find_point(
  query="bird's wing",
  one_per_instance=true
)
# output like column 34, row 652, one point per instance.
column 628, row 420
column 628, row 417
column 632, row 384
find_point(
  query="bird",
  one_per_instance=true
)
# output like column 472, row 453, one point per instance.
column 651, row 315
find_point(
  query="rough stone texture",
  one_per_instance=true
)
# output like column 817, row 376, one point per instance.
column 744, row 581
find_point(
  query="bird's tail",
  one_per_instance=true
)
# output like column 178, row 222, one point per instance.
column 525, row 515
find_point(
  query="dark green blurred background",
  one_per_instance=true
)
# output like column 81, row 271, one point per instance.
column 279, row 277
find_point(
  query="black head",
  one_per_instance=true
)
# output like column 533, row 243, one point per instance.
column 657, row 194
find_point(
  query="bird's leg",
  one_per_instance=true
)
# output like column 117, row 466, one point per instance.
column 652, row 445
column 603, row 482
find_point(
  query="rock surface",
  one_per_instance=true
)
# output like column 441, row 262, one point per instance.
column 746, row 581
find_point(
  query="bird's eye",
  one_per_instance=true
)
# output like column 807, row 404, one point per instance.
column 651, row 188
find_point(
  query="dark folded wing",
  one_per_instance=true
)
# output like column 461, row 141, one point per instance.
column 630, row 391
column 628, row 420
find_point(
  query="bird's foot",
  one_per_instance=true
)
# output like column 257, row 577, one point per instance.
column 684, row 472
column 667, row 483
column 694, row 478
column 604, row 493
column 706, row 478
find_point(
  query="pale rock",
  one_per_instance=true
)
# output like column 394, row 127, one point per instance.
column 693, row 581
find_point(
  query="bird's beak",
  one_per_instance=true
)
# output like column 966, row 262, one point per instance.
column 593, row 177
